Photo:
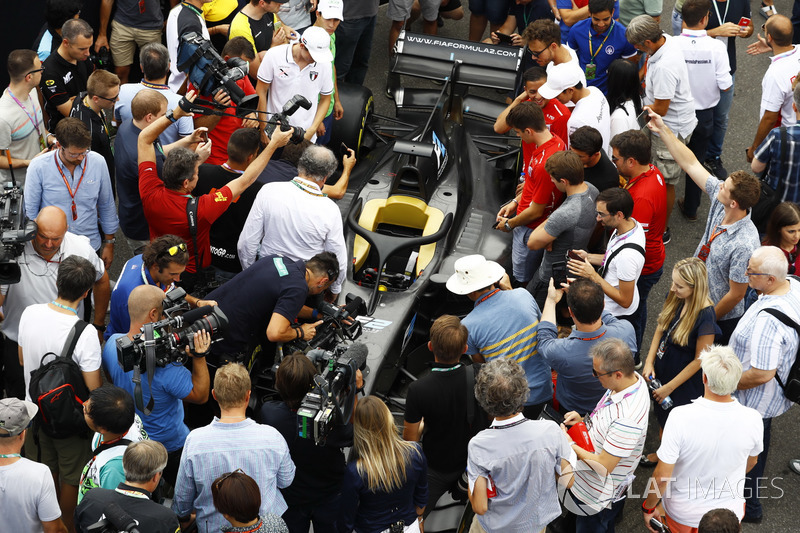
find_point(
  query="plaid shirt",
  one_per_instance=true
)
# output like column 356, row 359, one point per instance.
column 782, row 171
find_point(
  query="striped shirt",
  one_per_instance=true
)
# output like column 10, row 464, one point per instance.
column 782, row 172
column 618, row 425
column 762, row 341
column 210, row 451
column 505, row 325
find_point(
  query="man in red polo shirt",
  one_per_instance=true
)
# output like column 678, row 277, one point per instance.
column 555, row 113
column 539, row 196
column 165, row 202
column 631, row 153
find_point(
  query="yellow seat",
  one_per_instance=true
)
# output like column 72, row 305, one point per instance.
column 399, row 211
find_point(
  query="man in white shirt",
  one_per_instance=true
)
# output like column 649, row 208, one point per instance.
column 776, row 85
column 295, row 219
column 668, row 93
column 303, row 67
column 624, row 258
column 694, row 473
column 567, row 83
column 703, row 54
column 184, row 18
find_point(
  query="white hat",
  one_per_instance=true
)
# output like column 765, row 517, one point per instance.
column 561, row 77
column 331, row 9
column 473, row 273
column 318, row 43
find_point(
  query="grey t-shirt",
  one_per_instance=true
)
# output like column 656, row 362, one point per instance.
column 143, row 15
column 572, row 224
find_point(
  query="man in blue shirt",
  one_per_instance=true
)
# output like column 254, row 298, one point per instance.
column 76, row 180
column 577, row 389
column 503, row 324
column 599, row 40
column 172, row 384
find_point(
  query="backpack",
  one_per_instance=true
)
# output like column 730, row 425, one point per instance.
column 58, row 389
column 791, row 389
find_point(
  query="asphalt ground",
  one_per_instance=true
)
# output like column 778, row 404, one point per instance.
column 784, row 486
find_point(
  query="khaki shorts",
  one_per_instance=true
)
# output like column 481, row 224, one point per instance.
column 65, row 457
column 124, row 40
column 476, row 527
column 663, row 160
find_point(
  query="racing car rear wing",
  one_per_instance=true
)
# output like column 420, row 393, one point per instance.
column 432, row 57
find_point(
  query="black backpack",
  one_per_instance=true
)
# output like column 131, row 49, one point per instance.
column 791, row 389
column 57, row 387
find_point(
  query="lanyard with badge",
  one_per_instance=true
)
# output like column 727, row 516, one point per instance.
column 721, row 20
column 69, row 189
column 33, row 119
column 591, row 67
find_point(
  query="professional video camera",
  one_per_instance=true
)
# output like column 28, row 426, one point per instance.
column 164, row 342
column 282, row 118
column 115, row 520
column 332, row 397
column 209, row 73
column 334, row 328
column 15, row 231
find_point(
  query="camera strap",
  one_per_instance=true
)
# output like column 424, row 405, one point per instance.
column 191, row 216
column 150, row 363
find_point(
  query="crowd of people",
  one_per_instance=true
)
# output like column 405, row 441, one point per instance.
column 537, row 403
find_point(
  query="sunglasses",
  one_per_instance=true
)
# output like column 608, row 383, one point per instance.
column 221, row 479
column 595, row 374
column 173, row 250
column 34, row 71
column 113, row 99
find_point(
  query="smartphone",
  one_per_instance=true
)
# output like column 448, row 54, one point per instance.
column 559, row 273
column 343, row 149
column 572, row 254
column 658, row 526
column 643, row 118
column 204, row 135
column 496, row 222
column 504, row 39
column 744, row 22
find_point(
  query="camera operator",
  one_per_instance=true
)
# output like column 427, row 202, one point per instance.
column 281, row 221
column 144, row 463
column 172, row 384
column 276, row 289
column 161, row 264
column 314, row 494
column 229, row 442
column 165, row 202
column 186, row 17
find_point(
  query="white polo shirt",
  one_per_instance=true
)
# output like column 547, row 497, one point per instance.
column 776, row 86
column 704, row 55
column 286, row 79
column 592, row 111
column 626, row 266
column 668, row 79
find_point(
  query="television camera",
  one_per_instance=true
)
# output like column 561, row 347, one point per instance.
column 15, row 231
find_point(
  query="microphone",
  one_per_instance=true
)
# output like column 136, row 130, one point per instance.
column 358, row 352
column 120, row 519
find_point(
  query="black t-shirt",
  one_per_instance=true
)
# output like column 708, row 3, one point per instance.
column 61, row 80
column 736, row 10
column 278, row 170
column 273, row 284
column 152, row 517
column 320, row 469
column 604, row 175
column 131, row 215
column 440, row 398
column 225, row 230
column 98, row 127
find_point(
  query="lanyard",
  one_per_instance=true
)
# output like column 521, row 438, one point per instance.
column 606, row 400
column 133, row 493
column 706, row 248
column 307, row 189
column 591, row 338
column 511, row 425
column 593, row 54
column 487, row 297
column 64, row 307
column 33, row 119
column 227, row 167
column 446, row 369
column 9, row 455
column 154, row 85
column 146, row 281
column 621, row 239
column 72, row 194
column 716, row 10
column 196, row 11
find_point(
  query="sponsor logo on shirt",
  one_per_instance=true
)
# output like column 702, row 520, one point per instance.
column 219, row 197
column 610, row 49
column 282, row 73
column 68, row 77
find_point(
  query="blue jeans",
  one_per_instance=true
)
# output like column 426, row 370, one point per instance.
column 677, row 21
column 752, row 507
column 698, row 144
column 639, row 317
column 353, row 48
column 524, row 261
column 602, row 522
column 322, row 514
column 721, row 112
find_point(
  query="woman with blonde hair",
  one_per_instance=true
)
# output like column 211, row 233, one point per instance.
column 686, row 326
column 386, row 484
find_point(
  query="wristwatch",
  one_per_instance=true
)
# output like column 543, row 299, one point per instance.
column 171, row 117
column 112, row 240
column 100, row 328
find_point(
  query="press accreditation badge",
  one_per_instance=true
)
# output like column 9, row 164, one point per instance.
column 591, row 71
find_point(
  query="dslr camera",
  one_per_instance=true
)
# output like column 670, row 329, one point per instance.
column 282, row 119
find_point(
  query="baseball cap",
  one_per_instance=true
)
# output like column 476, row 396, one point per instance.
column 561, row 77
column 474, row 272
column 15, row 416
column 318, row 43
column 331, row 9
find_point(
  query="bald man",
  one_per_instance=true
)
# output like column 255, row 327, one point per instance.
column 38, row 266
